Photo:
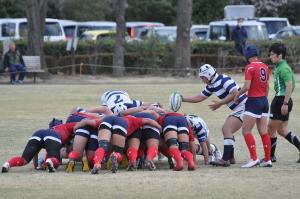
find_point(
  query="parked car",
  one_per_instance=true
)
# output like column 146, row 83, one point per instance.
column 134, row 28
column 17, row 28
column 200, row 31
column 94, row 25
column 165, row 34
column 274, row 24
column 286, row 32
column 222, row 30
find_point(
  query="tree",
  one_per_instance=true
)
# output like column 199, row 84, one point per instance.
column 119, row 7
column 183, row 47
column 152, row 10
column 12, row 8
column 87, row 10
column 36, row 13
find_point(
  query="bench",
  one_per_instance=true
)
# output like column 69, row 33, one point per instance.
column 33, row 65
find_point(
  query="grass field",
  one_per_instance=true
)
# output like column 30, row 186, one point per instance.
column 27, row 108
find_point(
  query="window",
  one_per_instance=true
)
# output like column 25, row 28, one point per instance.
column 8, row 29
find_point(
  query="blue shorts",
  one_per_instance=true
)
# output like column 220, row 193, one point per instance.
column 257, row 107
column 149, row 116
column 115, row 124
column 91, row 134
column 175, row 123
column 45, row 134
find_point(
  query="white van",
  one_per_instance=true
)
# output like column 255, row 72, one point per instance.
column 16, row 28
column 69, row 27
column 222, row 30
column 274, row 24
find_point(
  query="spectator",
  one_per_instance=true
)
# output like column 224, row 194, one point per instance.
column 239, row 36
column 14, row 62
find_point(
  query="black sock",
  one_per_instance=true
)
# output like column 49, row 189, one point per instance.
column 292, row 138
column 228, row 148
column 273, row 145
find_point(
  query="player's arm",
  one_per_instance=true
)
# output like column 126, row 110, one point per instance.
column 218, row 103
column 244, row 89
column 100, row 110
column 193, row 99
column 205, row 152
column 147, row 121
column 132, row 110
column 85, row 122
column 287, row 96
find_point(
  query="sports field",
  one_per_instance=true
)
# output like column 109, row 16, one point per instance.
column 27, row 108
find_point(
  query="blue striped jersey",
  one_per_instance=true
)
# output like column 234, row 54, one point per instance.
column 222, row 85
column 114, row 97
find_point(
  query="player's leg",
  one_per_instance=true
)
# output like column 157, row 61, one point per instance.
column 248, row 124
column 151, row 137
column 133, row 142
column 262, row 126
column 52, row 146
column 33, row 146
column 80, row 140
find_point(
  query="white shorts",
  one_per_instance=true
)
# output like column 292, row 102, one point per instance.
column 238, row 112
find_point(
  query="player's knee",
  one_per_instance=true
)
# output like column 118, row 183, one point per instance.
column 184, row 146
column 172, row 142
column 104, row 144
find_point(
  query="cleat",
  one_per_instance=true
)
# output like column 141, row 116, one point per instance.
column 114, row 163
column 217, row 153
column 5, row 167
column 140, row 163
column 132, row 166
column 273, row 159
column 171, row 163
column 161, row 157
column 70, row 166
column 50, row 166
column 149, row 164
column 221, row 163
column 251, row 163
column 85, row 165
column 179, row 168
column 266, row 164
column 191, row 167
column 95, row 169
column 232, row 160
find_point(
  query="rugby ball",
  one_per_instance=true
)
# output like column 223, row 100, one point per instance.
column 175, row 101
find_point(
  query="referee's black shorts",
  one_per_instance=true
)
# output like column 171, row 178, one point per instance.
column 276, row 105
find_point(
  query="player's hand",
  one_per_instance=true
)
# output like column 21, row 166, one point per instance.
column 236, row 98
column 215, row 105
column 284, row 109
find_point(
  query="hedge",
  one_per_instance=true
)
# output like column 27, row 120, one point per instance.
column 151, row 54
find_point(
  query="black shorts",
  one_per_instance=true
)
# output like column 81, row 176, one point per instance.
column 276, row 105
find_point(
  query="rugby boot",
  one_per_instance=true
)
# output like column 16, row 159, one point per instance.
column 95, row 169
column 5, row 167
column 232, row 160
column 266, row 163
column 114, row 162
column 221, row 163
column 70, row 166
column 251, row 163
column 85, row 165
column 149, row 164
column 273, row 158
column 50, row 166
column 132, row 166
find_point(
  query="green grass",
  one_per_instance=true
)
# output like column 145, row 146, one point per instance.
column 27, row 108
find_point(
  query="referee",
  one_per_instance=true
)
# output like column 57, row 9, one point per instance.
column 282, row 104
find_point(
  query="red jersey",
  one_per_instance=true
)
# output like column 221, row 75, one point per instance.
column 258, row 73
column 133, row 123
column 65, row 130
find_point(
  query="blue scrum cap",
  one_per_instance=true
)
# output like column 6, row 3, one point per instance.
column 250, row 51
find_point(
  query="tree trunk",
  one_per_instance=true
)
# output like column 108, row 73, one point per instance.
column 183, row 46
column 118, row 58
column 36, row 13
